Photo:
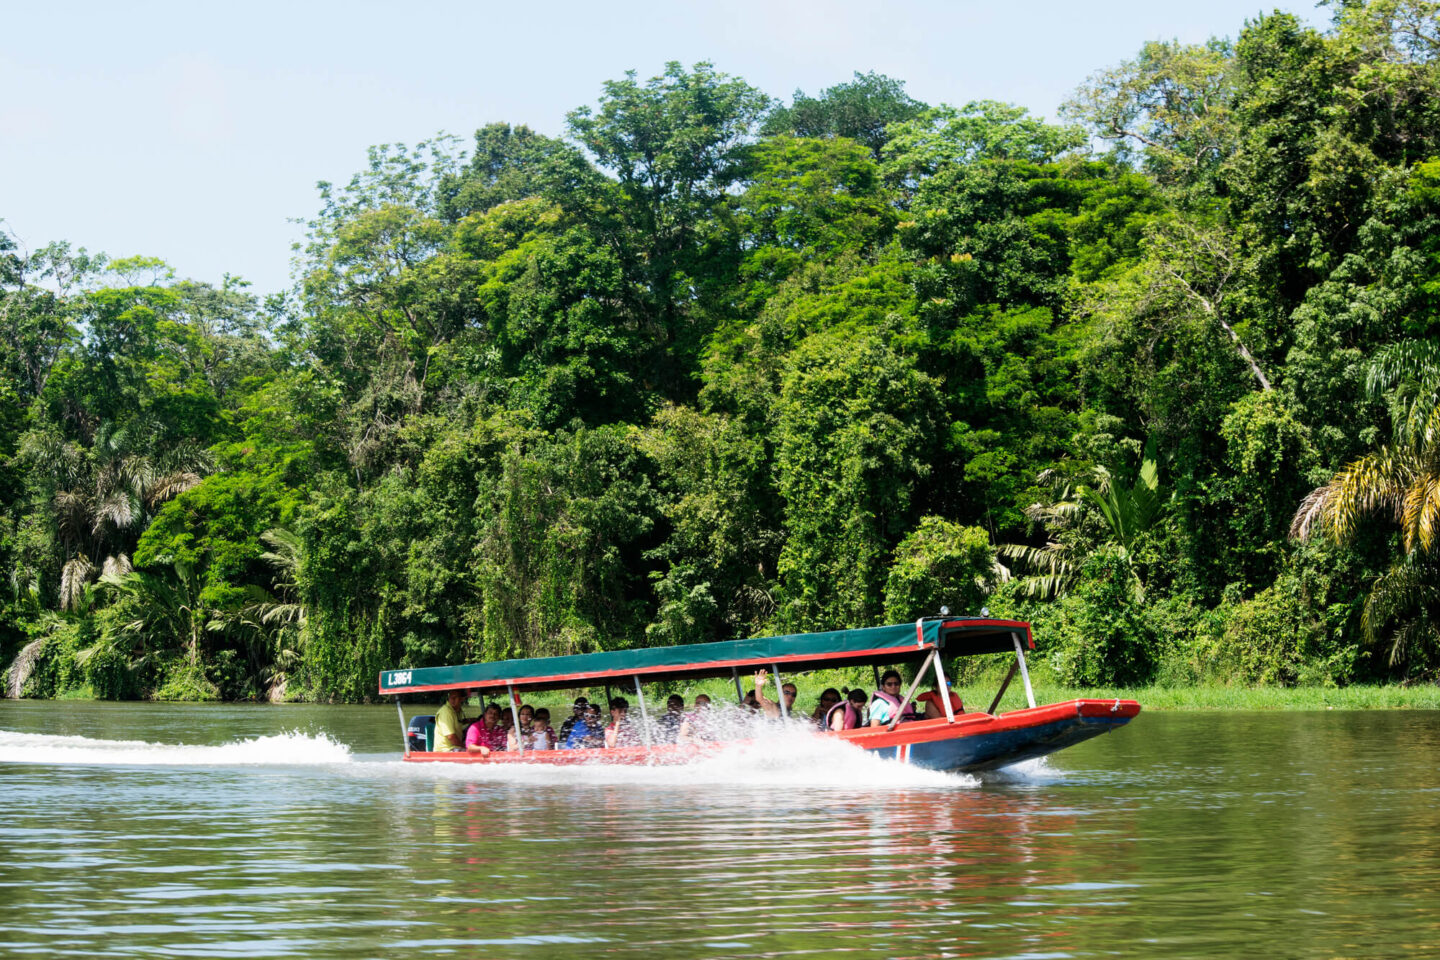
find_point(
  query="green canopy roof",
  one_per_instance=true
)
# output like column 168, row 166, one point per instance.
column 797, row 652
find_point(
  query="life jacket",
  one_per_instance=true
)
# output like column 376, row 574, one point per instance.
column 852, row 715
column 894, row 702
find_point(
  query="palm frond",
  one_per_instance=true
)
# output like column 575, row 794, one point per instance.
column 1410, row 592
column 22, row 666
column 1416, row 361
column 1055, row 570
column 136, row 473
column 1310, row 516
column 73, row 577
column 1419, row 510
column 117, row 509
column 115, row 565
column 169, row 486
column 1364, row 486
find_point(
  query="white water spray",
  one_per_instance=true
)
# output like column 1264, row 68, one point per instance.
column 285, row 749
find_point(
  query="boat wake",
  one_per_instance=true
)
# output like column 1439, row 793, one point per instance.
column 285, row 749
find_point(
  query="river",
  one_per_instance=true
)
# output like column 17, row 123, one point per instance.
column 149, row 830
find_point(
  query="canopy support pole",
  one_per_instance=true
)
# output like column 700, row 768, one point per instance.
column 1004, row 685
column 875, row 669
column 779, row 692
column 1024, row 673
column 404, row 732
column 919, row 675
column 644, row 716
column 944, row 688
column 739, row 693
column 515, row 716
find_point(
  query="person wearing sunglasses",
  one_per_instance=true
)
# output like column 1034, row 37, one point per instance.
column 885, row 704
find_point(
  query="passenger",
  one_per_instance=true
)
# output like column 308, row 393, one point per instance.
column 668, row 726
column 769, row 707
column 485, row 735
column 507, row 720
column 527, row 717
column 885, row 704
column 699, row 724
column 542, row 735
column 828, row 699
column 450, row 723
column 621, row 732
column 576, row 712
column 515, row 737
column 585, row 731
column 849, row 714
column 935, row 707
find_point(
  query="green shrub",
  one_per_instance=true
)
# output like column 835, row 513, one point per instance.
column 939, row 563
column 1098, row 633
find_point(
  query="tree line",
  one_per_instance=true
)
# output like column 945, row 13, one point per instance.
column 1160, row 375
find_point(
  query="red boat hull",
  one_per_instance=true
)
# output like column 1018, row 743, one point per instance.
column 972, row 742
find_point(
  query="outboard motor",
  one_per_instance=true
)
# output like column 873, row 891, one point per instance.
column 419, row 732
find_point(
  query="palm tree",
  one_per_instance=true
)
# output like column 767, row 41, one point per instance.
column 160, row 605
column 1402, row 479
column 1127, row 512
column 104, row 497
column 270, row 623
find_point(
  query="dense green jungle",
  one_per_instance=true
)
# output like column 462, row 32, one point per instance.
column 1161, row 375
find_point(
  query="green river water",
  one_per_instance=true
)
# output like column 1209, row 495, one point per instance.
column 144, row 830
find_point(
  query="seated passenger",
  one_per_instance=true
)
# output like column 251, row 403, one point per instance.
column 769, row 707
column 934, row 706
column 542, row 735
column 586, row 732
column 885, row 704
column 828, row 699
column 698, row 725
column 621, row 732
column 485, row 735
column 450, row 723
column 668, row 726
column 576, row 712
column 849, row 714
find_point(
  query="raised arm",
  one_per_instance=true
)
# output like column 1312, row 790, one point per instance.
column 770, row 707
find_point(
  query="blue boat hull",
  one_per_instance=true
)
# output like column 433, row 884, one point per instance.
column 999, row 748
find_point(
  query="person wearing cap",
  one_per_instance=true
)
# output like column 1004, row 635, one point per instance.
column 576, row 712
column 450, row 723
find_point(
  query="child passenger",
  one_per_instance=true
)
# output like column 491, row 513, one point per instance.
column 542, row 735
column 849, row 713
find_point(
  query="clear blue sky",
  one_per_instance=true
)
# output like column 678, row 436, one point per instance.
column 194, row 131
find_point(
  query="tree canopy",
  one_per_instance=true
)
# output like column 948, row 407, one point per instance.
column 710, row 365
